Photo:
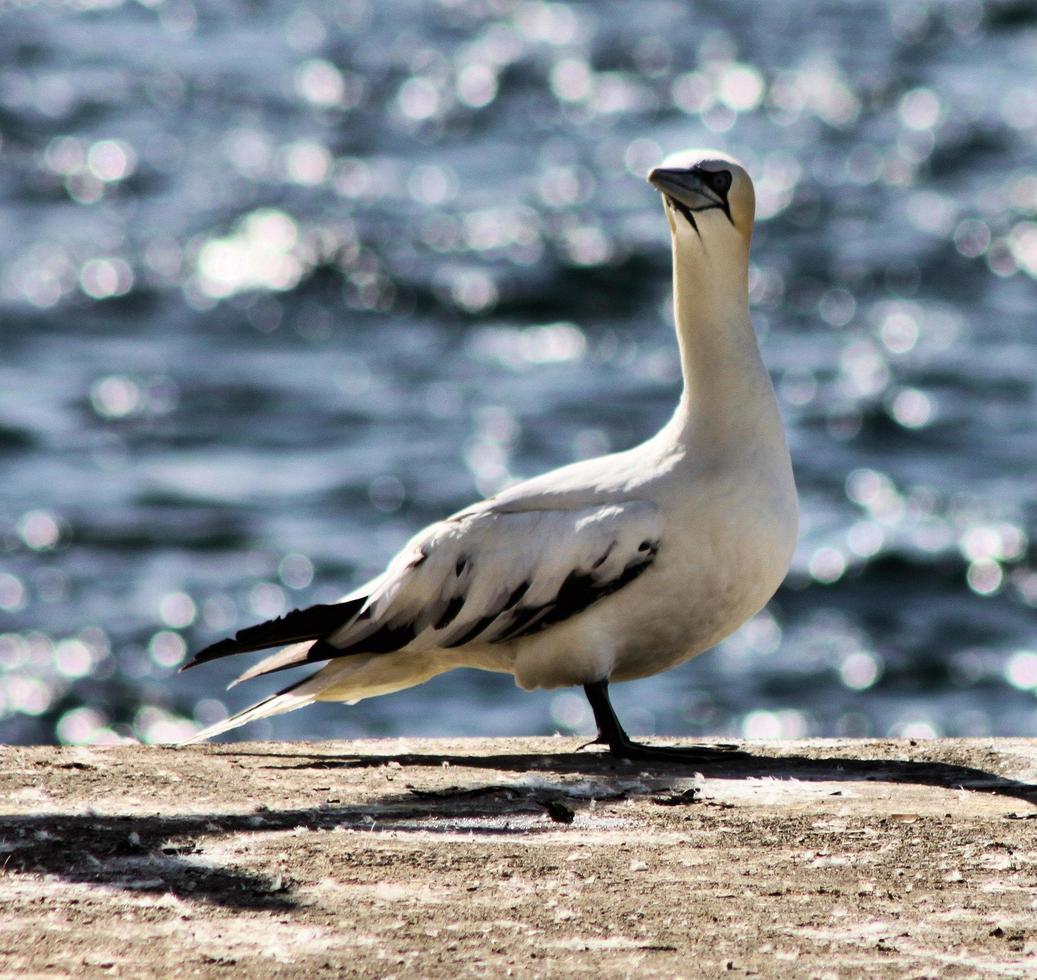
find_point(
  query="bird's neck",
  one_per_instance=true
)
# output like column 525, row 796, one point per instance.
column 727, row 395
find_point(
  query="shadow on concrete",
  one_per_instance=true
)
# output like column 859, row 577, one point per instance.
column 138, row 854
column 946, row 775
column 165, row 855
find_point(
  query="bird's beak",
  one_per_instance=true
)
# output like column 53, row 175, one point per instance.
column 683, row 187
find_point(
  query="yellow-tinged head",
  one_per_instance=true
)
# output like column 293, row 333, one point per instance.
column 707, row 194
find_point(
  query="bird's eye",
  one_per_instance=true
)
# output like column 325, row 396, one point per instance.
column 720, row 181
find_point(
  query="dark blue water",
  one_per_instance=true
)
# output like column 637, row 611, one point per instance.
column 280, row 282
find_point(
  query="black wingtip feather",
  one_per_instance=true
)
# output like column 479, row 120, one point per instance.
column 299, row 625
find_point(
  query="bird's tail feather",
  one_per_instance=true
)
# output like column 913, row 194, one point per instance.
column 296, row 695
column 350, row 680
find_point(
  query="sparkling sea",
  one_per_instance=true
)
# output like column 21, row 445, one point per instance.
column 281, row 282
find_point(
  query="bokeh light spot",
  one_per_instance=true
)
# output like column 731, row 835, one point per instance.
column 1021, row 670
column 572, row 80
column 860, row 670
column 419, row 99
column 972, row 237
column 570, row 712
column 740, row 87
column 106, row 278
column 919, row 109
column 156, row 726
column 320, row 83
column 267, row 600
column 39, row 530
column 386, row 494
column 13, row 595
column 115, row 396
column 167, row 649
column 774, row 724
column 915, row 728
column 295, row 571
column 177, row 610
column 111, row 160
column 477, row 85
column 827, row 565
column 984, row 577
column 72, row 658
column 261, row 253
column 81, row 726
column 306, row 162
column 912, row 408
column 29, row 695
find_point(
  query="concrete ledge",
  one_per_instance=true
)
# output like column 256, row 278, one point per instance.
column 436, row 858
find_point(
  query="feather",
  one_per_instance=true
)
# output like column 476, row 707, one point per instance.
column 299, row 625
column 490, row 575
column 296, row 695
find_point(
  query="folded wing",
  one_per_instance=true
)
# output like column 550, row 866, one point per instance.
column 484, row 576
column 488, row 576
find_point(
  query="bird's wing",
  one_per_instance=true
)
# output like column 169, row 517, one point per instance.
column 488, row 577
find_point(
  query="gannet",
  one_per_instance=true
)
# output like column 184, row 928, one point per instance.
column 608, row 569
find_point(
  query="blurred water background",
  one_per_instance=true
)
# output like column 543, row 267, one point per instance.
column 281, row 281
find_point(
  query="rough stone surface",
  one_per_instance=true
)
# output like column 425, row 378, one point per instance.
column 431, row 858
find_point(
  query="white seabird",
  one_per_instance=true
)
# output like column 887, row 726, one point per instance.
column 610, row 569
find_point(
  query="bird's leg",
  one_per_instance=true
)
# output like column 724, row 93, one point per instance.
column 611, row 733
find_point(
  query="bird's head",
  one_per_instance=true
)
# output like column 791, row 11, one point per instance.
column 708, row 196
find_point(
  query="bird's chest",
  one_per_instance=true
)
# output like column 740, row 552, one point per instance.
column 711, row 575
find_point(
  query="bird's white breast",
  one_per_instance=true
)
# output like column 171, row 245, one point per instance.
column 727, row 540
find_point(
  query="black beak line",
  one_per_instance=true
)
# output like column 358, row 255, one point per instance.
column 725, row 206
column 686, row 211
column 685, row 189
